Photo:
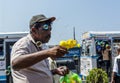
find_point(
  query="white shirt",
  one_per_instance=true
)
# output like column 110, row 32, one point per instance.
column 115, row 67
column 37, row 73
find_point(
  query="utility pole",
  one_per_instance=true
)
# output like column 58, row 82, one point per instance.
column 74, row 33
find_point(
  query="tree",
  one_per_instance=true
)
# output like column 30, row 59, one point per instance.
column 97, row 76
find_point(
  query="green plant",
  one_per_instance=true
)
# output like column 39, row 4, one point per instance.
column 97, row 76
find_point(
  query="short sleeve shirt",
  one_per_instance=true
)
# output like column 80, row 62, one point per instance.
column 37, row 73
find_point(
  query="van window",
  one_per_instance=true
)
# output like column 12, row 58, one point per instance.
column 1, row 48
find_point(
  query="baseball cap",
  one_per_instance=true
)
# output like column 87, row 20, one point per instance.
column 40, row 18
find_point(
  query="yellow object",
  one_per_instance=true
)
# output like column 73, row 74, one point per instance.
column 78, row 45
column 69, row 43
column 62, row 43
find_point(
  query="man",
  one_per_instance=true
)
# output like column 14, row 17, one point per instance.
column 116, row 69
column 29, row 57
column 106, row 58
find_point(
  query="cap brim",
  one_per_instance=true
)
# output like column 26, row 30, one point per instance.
column 51, row 19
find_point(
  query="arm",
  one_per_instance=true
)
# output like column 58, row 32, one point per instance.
column 27, row 60
column 114, row 72
column 113, row 77
column 62, row 70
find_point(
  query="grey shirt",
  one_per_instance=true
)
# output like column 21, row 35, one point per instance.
column 37, row 73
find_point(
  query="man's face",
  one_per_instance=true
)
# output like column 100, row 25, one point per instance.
column 43, row 33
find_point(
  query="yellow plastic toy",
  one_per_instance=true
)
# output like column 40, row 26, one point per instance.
column 69, row 43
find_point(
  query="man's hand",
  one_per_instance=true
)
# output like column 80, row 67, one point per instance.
column 63, row 70
column 57, row 51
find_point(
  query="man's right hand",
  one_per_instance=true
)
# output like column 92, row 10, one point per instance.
column 57, row 51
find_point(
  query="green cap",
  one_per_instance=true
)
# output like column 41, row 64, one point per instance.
column 40, row 18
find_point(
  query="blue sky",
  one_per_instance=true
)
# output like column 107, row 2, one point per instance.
column 84, row 15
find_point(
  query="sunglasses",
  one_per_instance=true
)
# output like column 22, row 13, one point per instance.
column 45, row 25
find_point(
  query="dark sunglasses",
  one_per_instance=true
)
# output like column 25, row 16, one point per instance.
column 45, row 25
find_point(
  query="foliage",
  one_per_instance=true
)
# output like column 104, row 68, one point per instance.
column 97, row 76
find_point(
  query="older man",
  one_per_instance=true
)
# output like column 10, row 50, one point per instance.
column 29, row 56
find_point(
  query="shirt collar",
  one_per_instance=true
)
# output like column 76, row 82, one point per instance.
column 38, row 44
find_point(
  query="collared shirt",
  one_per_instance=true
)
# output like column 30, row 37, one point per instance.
column 115, row 67
column 37, row 73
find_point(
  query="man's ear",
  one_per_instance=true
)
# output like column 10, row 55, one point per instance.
column 34, row 30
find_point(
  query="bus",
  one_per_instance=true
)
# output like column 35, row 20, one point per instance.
column 6, row 42
column 92, row 44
